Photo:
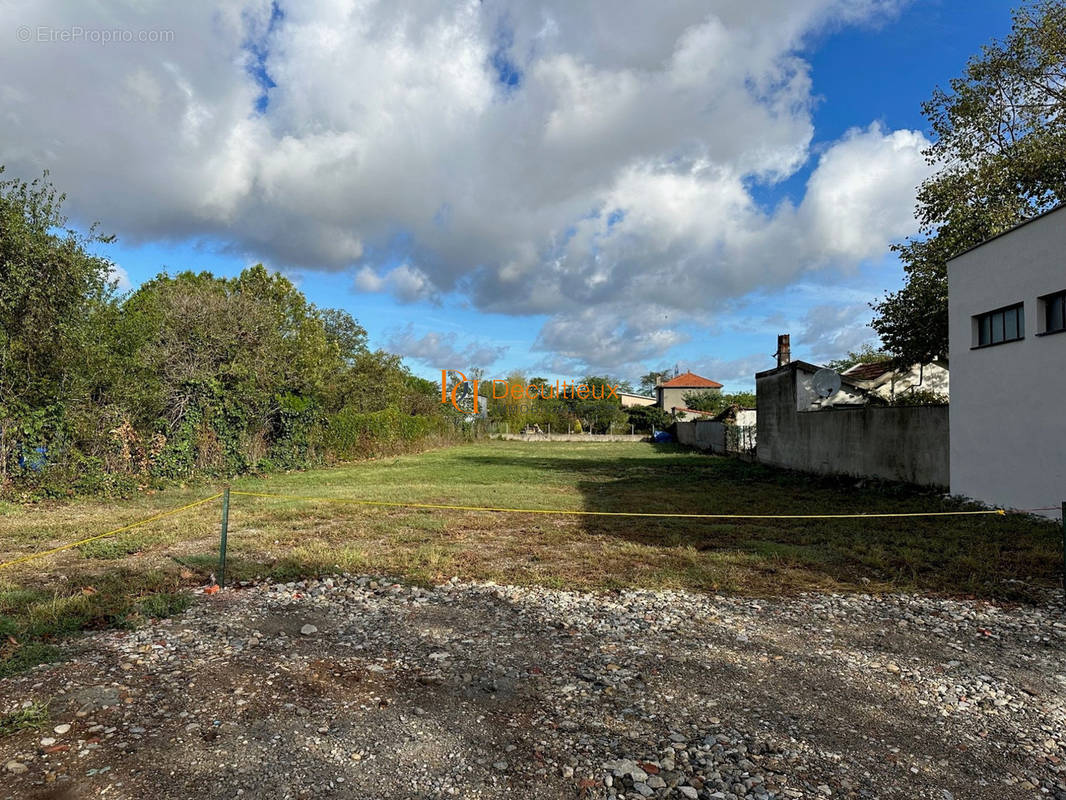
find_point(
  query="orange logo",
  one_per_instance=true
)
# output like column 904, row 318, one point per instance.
column 464, row 391
column 459, row 392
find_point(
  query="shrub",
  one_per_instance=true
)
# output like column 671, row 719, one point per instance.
column 352, row 434
column 921, row 397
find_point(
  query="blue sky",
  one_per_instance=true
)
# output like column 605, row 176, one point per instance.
column 511, row 210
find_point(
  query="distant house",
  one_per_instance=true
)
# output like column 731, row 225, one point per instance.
column 881, row 380
column 737, row 415
column 631, row 399
column 670, row 395
column 1007, row 335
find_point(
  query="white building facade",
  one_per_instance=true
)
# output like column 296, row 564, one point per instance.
column 1007, row 332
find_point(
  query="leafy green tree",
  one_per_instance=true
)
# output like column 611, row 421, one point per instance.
column 598, row 411
column 704, row 401
column 191, row 373
column 649, row 381
column 342, row 330
column 645, row 419
column 51, row 291
column 1000, row 148
column 714, row 402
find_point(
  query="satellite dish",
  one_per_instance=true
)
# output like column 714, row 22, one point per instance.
column 826, row 382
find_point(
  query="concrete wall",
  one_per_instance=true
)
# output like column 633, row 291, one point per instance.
column 570, row 437
column 907, row 443
column 1008, row 425
column 714, row 436
column 705, row 435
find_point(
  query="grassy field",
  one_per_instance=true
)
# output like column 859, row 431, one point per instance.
column 140, row 574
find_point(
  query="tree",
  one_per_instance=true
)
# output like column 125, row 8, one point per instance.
column 864, row 355
column 191, row 373
column 342, row 329
column 51, row 289
column 704, row 401
column 645, row 419
column 715, row 402
column 598, row 411
column 651, row 380
column 1000, row 148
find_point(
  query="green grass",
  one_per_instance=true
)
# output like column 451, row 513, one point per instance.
column 34, row 619
column 27, row 656
column 32, row 717
column 139, row 574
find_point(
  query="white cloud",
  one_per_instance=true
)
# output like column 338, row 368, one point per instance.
column 856, row 198
column 732, row 372
column 614, row 176
column 443, row 350
column 409, row 284
column 605, row 339
column 120, row 277
column 829, row 332
column 366, row 280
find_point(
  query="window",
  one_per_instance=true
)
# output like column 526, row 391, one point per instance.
column 1054, row 312
column 1004, row 325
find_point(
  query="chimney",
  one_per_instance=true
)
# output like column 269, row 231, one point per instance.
column 784, row 350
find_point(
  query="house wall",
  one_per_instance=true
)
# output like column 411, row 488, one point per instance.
column 906, row 443
column 927, row 378
column 631, row 400
column 670, row 397
column 746, row 416
column 1008, row 426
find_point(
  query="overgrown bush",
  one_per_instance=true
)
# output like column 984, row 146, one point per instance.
column 352, row 434
column 644, row 419
column 191, row 374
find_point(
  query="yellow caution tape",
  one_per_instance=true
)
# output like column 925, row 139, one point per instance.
column 170, row 513
column 496, row 509
column 389, row 504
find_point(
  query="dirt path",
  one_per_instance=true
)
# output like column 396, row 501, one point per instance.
column 355, row 688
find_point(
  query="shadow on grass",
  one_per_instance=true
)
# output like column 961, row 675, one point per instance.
column 1011, row 557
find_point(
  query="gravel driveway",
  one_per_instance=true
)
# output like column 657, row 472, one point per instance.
column 354, row 687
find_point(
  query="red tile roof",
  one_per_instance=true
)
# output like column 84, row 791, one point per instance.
column 689, row 380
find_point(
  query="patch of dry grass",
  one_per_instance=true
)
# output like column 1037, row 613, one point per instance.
column 1007, row 557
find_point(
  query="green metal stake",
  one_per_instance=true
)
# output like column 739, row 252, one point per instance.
column 222, row 542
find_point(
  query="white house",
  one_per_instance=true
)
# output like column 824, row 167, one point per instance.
column 633, row 399
column 1007, row 309
column 892, row 385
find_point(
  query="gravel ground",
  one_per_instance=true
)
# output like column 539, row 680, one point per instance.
column 355, row 687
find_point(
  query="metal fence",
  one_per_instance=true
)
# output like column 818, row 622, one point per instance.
column 740, row 439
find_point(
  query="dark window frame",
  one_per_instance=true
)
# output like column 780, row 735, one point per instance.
column 988, row 322
column 1047, row 309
